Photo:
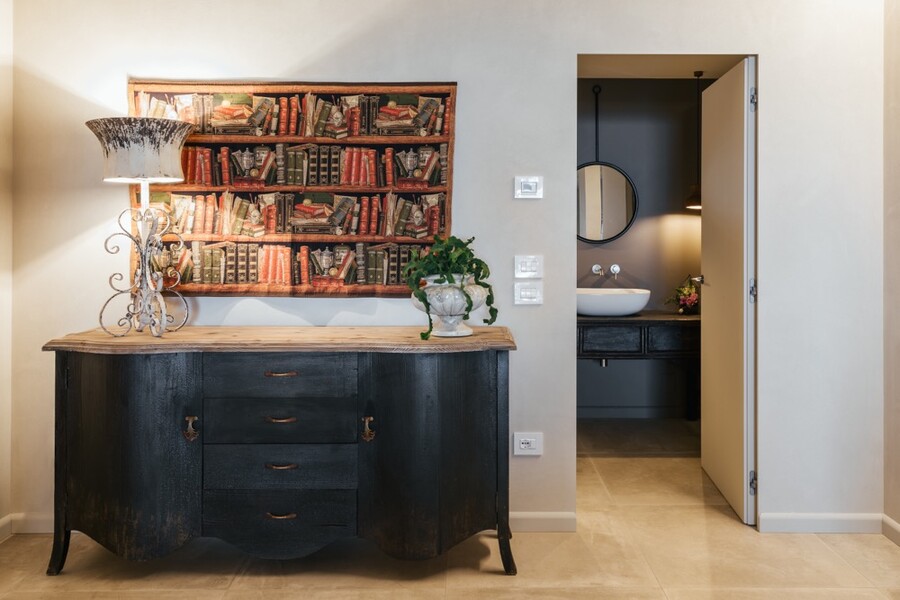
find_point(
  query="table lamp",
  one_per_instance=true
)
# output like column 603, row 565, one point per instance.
column 144, row 151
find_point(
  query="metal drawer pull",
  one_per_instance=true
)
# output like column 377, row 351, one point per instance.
column 368, row 433
column 286, row 467
column 286, row 517
column 281, row 373
column 281, row 419
column 190, row 434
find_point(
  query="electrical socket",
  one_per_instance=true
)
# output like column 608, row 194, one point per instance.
column 528, row 443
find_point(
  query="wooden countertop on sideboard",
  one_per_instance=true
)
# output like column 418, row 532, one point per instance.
column 283, row 339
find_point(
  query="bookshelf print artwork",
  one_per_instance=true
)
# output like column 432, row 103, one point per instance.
column 296, row 189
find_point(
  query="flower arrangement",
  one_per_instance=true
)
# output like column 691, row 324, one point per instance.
column 448, row 260
column 686, row 298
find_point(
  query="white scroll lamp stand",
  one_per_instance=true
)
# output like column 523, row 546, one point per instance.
column 143, row 151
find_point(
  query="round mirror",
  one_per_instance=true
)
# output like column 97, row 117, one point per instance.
column 607, row 202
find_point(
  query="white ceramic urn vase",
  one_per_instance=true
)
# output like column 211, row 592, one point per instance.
column 448, row 304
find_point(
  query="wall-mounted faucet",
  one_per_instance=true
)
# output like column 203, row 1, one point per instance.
column 597, row 270
column 615, row 269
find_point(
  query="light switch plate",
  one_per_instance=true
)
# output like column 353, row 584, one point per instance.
column 529, row 186
column 529, row 266
column 528, row 292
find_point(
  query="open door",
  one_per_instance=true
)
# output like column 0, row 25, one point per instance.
column 728, row 257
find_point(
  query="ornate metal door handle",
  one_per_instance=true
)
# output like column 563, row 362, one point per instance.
column 190, row 434
column 368, row 434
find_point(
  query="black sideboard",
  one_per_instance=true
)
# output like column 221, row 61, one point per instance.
column 282, row 440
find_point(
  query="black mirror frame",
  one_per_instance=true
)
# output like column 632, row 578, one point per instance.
column 636, row 203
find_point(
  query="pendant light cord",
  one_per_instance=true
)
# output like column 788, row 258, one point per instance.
column 698, row 75
column 597, row 90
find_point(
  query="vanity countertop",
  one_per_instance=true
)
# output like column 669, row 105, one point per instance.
column 655, row 316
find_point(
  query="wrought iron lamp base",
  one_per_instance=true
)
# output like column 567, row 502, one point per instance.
column 147, row 307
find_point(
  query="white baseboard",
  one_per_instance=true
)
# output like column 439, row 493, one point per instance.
column 820, row 522
column 891, row 529
column 6, row 527
column 32, row 522
column 541, row 521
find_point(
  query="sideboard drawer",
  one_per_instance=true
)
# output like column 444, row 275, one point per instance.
column 611, row 339
column 278, row 375
column 279, row 524
column 279, row 420
column 280, row 466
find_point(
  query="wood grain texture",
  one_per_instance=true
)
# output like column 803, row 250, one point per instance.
column 132, row 479
column 279, row 466
column 278, row 375
column 242, row 517
column 655, row 335
column 284, row 339
column 313, row 420
column 429, row 479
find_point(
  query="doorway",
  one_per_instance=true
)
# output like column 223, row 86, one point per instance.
column 645, row 409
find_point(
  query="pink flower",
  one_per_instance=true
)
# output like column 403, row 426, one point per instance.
column 689, row 300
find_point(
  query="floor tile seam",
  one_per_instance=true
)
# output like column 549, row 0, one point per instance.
column 602, row 481
column 241, row 570
column 840, row 556
column 629, row 526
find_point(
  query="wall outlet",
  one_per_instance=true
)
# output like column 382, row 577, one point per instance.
column 528, row 443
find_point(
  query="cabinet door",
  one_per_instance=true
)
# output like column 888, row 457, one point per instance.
column 429, row 477
column 133, row 477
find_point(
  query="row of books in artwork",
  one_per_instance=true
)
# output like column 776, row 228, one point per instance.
column 314, row 164
column 310, row 115
column 231, row 263
column 417, row 216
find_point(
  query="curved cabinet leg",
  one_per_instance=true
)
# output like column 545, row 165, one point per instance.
column 509, row 564
column 60, row 550
column 503, row 536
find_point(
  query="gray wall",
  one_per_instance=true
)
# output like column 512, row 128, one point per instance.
column 648, row 129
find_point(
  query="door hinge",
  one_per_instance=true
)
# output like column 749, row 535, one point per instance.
column 752, row 483
column 753, row 291
column 753, row 99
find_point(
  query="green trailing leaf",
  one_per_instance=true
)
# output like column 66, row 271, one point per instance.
column 449, row 256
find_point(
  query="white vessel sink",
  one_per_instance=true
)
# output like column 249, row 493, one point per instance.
column 611, row 302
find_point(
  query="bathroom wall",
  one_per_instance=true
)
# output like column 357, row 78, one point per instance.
column 6, row 244
column 647, row 129
column 892, row 269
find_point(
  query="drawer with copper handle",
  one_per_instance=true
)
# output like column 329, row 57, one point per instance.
column 279, row 466
column 279, row 523
column 279, row 420
column 278, row 374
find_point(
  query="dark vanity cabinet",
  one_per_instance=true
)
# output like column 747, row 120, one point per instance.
column 644, row 336
column 648, row 334
column 281, row 441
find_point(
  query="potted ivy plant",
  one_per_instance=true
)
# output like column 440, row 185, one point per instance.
column 448, row 283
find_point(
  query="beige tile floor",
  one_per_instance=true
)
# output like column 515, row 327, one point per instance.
column 650, row 526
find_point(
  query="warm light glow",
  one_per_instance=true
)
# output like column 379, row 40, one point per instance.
column 141, row 149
